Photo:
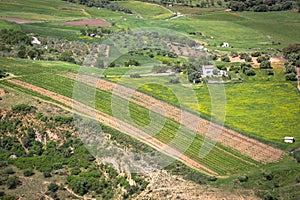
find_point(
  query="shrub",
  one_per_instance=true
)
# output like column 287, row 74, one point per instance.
column 28, row 172
column 250, row 72
column 131, row 62
column 53, row 187
column 268, row 175
column 135, row 75
column 243, row 178
column 3, row 74
column 243, row 55
column 9, row 171
column 75, row 171
column 13, row 182
column 265, row 65
column 262, row 58
column 212, row 178
column 256, row 54
column 47, row 174
column 248, row 59
column 22, row 108
column 225, row 59
column 269, row 72
column 234, row 54
column 236, row 69
column 221, row 67
column 3, row 163
column 174, row 80
column 291, row 77
column 160, row 69
column 296, row 155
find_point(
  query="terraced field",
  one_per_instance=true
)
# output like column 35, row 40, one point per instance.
column 223, row 159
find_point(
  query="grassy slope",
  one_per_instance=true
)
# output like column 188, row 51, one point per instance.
column 278, row 100
column 146, row 10
column 264, row 110
column 43, row 74
column 41, row 10
column 242, row 30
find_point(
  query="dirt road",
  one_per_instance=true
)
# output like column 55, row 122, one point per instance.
column 247, row 146
column 111, row 121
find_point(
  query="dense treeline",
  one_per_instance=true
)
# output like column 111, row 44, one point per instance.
column 101, row 4
column 12, row 37
column 292, row 53
column 261, row 5
column 236, row 5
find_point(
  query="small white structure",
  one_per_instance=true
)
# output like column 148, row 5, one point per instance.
column 35, row 41
column 13, row 156
column 289, row 140
column 207, row 70
column 225, row 44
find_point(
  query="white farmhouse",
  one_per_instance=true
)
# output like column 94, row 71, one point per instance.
column 210, row 70
column 289, row 139
column 207, row 70
column 225, row 44
column 35, row 41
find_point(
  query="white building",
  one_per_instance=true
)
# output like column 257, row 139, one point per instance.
column 35, row 41
column 289, row 139
column 209, row 70
column 225, row 44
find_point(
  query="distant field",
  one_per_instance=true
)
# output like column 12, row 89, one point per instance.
column 146, row 10
column 253, row 28
column 263, row 109
column 45, row 10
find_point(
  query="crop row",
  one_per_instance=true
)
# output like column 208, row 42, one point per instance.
column 164, row 129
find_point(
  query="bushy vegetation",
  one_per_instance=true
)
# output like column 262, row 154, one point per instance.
column 260, row 6
column 101, row 4
column 86, row 175
column 13, row 37
column 3, row 74
column 292, row 53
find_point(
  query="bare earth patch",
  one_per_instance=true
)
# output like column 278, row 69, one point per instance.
column 88, row 22
column 20, row 21
column 2, row 93
column 166, row 186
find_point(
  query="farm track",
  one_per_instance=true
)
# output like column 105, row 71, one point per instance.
column 111, row 121
column 247, row 146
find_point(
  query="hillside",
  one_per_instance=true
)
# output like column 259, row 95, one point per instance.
column 133, row 100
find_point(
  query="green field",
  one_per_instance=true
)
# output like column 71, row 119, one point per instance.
column 247, row 105
column 263, row 107
column 43, row 75
column 146, row 10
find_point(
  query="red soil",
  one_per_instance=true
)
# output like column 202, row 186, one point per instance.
column 88, row 22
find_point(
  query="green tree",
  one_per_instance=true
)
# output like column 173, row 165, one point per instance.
column 265, row 65
column 53, row 187
column 13, row 182
column 22, row 52
column 28, row 172
column 3, row 74
column 225, row 59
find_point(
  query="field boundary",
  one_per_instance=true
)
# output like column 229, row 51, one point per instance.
column 111, row 121
column 250, row 147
